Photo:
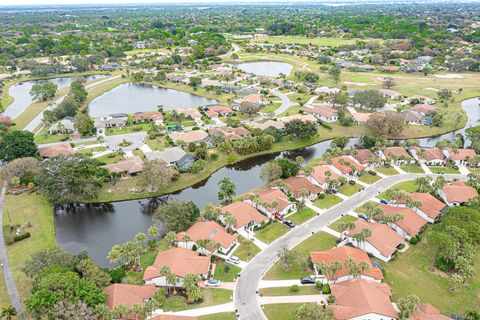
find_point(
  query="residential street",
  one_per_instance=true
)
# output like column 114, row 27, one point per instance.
column 246, row 299
column 286, row 103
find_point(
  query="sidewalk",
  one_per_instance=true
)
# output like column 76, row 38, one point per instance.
column 220, row 308
column 400, row 170
column 278, row 283
column 258, row 243
column 426, row 168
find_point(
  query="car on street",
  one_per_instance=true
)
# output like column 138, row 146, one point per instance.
column 307, row 280
column 233, row 259
column 212, row 283
column 289, row 223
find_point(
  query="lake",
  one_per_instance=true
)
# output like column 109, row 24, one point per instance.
column 266, row 68
column 21, row 93
column 96, row 228
column 135, row 97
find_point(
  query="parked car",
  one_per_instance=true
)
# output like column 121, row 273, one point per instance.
column 334, row 191
column 212, row 283
column 233, row 259
column 278, row 216
column 383, row 201
column 307, row 280
column 362, row 216
column 289, row 223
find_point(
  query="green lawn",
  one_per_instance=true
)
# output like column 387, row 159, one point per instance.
column 388, row 171
column 271, row 232
column 329, row 201
column 283, row 311
column 349, row 189
column 45, row 137
column 20, row 209
column 325, row 42
column 409, row 186
column 285, row 291
column 369, row 178
column 244, row 252
column 317, row 242
column 362, row 207
column 411, row 272
column 159, row 143
column 344, row 219
column 222, row 276
column 270, row 107
column 446, row 170
column 110, row 158
column 128, row 129
column 301, row 216
column 211, row 297
column 219, row 316
column 412, row 168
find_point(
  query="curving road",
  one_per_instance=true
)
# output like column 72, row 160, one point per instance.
column 245, row 297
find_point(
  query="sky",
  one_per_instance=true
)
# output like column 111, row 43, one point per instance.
column 57, row 2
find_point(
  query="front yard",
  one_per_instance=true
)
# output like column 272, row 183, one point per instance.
column 369, row 178
column 318, row 242
column 301, row 216
column 211, row 297
column 412, row 168
column 409, row 186
column 328, row 201
column 271, row 232
column 284, row 311
column 246, row 251
column 222, row 275
column 286, row 291
column 445, row 170
column 388, row 171
column 347, row 218
column 350, row 189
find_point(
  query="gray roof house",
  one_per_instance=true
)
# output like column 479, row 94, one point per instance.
column 170, row 155
column 67, row 124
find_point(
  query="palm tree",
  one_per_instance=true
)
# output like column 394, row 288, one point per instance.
column 8, row 312
column 229, row 220
column 194, row 294
column 352, row 267
column 363, row 266
column 165, row 272
column 171, row 279
column 335, row 266
column 186, row 239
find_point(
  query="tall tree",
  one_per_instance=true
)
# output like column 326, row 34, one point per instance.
column 155, row 175
column 227, row 190
column 408, row 305
column 178, row 215
column 17, row 144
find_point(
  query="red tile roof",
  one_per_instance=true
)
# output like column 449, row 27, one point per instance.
column 399, row 152
column 428, row 312
column 295, row 184
column 422, row 108
column 383, row 238
column 180, row 261
column 4, row 118
column 357, row 297
column 430, row 153
column 362, row 155
column 342, row 254
column 461, row 154
column 128, row 294
column 149, row 115
column 271, row 195
column 244, row 213
column 131, row 165
column 188, row 136
column 318, row 173
column 459, row 192
column 56, row 150
column 346, row 168
column 323, row 111
column 411, row 223
column 209, row 230
column 431, row 206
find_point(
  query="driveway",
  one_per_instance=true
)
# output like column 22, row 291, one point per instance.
column 246, row 300
column 286, row 103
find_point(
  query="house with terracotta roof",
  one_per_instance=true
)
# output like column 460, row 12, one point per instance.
column 269, row 123
column 422, row 108
column 457, row 193
column 409, row 226
column 301, row 117
column 383, row 242
column 430, row 209
column 255, row 98
column 363, row 157
column 180, row 261
column 229, row 133
column 217, row 111
column 397, row 155
column 426, row 311
column 295, row 185
column 211, row 230
column 347, row 166
column 186, row 137
column 361, row 118
column 460, row 156
column 246, row 215
column 323, row 113
column 191, row 113
column 342, row 254
column 56, row 150
column 389, row 93
column 322, row 175
column 358, row 299
column 429, row 156
column 268, row 197
column 130, row 166
column 129, row 295
column 148, row 116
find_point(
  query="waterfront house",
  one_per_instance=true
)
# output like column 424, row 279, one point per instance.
column 246, row 216
column 211, row 230
column 322, row 113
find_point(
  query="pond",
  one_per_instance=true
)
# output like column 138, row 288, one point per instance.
column 135, row 97
column 266, row 68
column 21, row 93
column 96, row 228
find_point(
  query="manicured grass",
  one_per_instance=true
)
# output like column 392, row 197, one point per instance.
column 271, row 232
column 409, row 186
column 369, row 178
column 211, row 297
column 285, row 291
column 446, row 170
column 270, row 107
column 301, row 216
column 347, row 218
column 317, row 242
column 110, row 158
column 45, row 137
column 20, row 209
column 128, row 129
column 411, row 272
column 329, row 201
column 244, row 252
column 349, row 189
column 281, row 311
column 219, row 316
column 388, row 171
column 222, row 276
column 361, row 209
column 327, row 42
column 412, row 168
column 159, row 143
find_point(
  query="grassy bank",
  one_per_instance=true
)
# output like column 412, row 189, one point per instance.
column 324, row 42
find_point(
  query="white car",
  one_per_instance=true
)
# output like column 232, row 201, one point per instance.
column 233, row 259
column 212, row 283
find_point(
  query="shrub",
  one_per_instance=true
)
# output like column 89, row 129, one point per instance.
column 413, row 240
column 401, row 246
column 321, row 196
column 373, row 173
column 326, row 289
column 331, row 299
column 352, row 182
column 194, row 247
column 21, row 237
column 116, row 274
column 137, row 128
column 326, row 126
column 444, row 265
column 319, row 285
column 214, row 156
column 294, row 288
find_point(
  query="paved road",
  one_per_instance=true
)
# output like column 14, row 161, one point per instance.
column 245, row 297
column 39, row 118
column 7, row 272
column 286, row 103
